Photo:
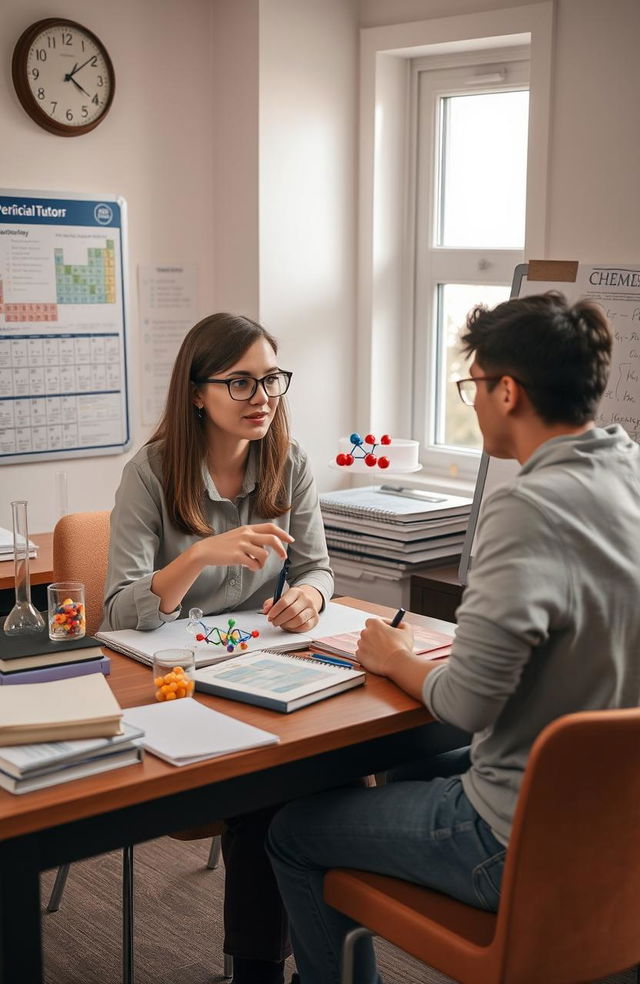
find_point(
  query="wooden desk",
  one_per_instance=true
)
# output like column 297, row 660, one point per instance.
column 355, row 733
column 437, row 592
column 40, row 567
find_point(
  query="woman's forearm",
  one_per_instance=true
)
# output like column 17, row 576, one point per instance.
column 172, row 582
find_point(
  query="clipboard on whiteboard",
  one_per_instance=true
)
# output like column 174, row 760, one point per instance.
column 616, row 287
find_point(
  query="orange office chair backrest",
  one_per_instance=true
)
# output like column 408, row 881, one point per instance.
column 570, row 904
column 80, row 553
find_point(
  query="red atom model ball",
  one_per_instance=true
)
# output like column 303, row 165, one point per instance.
column 341, row 459
column 370, row 439
column 370, row 460
column 385, row 439
column 383, row 462
column 199, row 637
column 349, row 458
column 255, row 634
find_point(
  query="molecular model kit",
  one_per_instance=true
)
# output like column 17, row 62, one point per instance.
column 230, row 638
column 359, row 450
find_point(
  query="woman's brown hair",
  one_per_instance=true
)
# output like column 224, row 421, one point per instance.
column 213, row 345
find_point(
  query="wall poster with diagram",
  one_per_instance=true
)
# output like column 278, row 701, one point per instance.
column 63, row 343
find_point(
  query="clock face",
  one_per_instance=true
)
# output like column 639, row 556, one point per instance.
column 63, row 76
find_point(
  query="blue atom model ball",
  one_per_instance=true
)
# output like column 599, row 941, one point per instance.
column 355, row 438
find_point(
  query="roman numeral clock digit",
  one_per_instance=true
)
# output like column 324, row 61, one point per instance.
column 63, row 76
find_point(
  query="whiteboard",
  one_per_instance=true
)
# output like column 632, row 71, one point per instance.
column 616, row 287
column 63, row 341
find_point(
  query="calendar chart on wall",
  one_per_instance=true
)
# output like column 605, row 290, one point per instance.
column 63, row 342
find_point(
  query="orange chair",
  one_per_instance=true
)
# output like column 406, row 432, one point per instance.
column 570, row 903
column 80, row 553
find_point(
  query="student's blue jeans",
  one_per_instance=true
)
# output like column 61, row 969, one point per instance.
column 426, row 832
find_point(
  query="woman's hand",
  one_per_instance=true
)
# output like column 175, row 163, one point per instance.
column 297, row 610
column 246, row 546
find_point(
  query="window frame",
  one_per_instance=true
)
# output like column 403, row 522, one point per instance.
column 431, row 265
column 383, row 365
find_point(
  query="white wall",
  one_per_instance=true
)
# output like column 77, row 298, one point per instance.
column 154, row 148
column 308, row 150
column 593, row 204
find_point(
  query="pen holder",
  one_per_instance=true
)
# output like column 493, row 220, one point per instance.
column 173, row 671
column 67, row 618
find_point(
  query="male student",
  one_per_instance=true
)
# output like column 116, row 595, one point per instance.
column 548, row 625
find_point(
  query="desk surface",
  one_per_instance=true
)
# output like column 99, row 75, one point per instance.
column 373, row 711
column 40, row 567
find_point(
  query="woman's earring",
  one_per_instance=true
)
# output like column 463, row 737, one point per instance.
column 200, row 413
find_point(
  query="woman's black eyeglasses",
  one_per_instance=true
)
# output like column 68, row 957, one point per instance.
column 244, row 387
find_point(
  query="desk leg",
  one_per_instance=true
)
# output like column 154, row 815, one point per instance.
column 20, row 939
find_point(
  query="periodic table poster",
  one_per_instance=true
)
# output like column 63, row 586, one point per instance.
column 63, row 352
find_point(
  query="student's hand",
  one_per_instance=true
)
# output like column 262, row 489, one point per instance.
column 297, row 610
column 246, row 546
column 379, row 646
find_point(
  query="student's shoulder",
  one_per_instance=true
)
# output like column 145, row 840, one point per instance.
column 146, row 464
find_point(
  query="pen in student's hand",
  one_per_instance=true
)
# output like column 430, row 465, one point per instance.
column 282, row 577
column 397, row 618
column 321, row 658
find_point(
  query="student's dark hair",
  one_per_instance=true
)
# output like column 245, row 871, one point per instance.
column 559, row 353
column 213, row 345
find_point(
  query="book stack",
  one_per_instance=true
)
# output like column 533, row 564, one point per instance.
column 394, row 528
column 60, row 730
column 36, row 659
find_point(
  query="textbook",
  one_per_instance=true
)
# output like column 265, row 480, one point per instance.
column 436, row 644
column 26, row 652
column 80, row 707
column 185, row 731
column 142, row 645
column 280, row 681
column 78, row 770
column 41, row 674
column 39, row 758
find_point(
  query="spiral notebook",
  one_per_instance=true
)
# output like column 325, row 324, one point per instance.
column 387, row 503
column 281, row 681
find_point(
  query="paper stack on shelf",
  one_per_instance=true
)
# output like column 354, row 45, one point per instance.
column 6, row 545
column 394, row 527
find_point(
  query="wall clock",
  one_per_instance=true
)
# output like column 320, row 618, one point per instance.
column 63, row 76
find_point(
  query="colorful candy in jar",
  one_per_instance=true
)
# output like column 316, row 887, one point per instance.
column 68, row 619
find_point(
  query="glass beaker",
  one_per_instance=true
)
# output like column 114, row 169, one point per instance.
column 23, row 619
column 173, row 671
column 67, row 618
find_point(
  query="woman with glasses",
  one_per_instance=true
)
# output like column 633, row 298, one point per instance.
column 205, row 515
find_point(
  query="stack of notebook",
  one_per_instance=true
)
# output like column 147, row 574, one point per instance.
column 393, row 527
column 35, row 659
column 64, row 729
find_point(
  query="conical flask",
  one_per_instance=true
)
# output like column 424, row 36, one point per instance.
column 23, row 619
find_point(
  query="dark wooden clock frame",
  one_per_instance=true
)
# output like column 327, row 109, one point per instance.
column 21, row 84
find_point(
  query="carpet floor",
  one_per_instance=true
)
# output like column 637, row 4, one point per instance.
column 178, row 923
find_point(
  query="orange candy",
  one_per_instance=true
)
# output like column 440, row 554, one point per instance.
column 173, row 685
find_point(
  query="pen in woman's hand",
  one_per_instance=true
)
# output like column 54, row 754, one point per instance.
column 282, row 577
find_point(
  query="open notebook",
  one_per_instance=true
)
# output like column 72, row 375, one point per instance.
column 335, row 620
column 281, row 681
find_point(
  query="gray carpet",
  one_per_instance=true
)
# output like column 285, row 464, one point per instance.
column 178, row 932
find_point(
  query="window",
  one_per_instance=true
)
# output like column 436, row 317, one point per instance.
column 472, row 119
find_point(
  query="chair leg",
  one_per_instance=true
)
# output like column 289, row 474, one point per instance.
column 348, row 947
column 214, row 853
column 227, row 971
column 58, row 888
column 127, row 914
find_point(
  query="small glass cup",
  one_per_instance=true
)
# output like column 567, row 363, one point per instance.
column 173, row 671
column 67, row 615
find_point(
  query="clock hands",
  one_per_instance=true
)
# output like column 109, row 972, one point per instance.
column 76, row 68
column 70, row 78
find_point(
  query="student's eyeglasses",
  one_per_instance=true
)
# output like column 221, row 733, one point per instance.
column 244, row 387
column 467, row 387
